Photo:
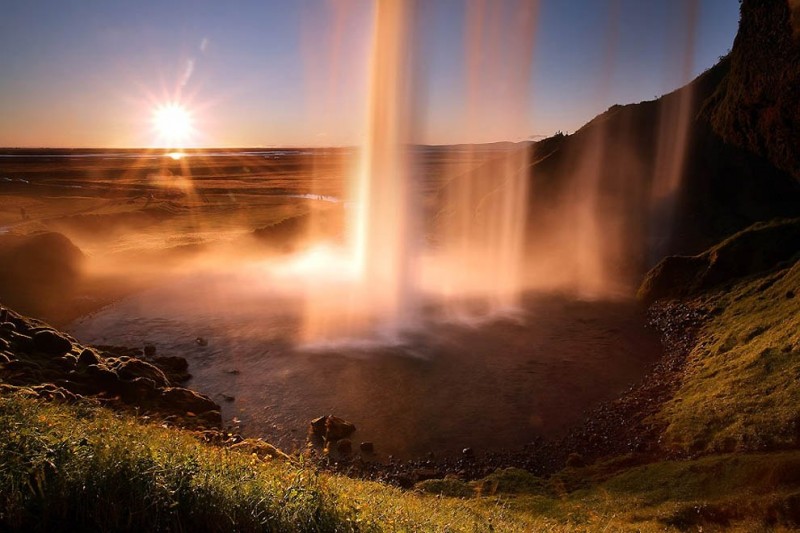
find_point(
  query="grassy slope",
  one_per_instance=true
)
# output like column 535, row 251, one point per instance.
column 63, row 468
column 740, row 390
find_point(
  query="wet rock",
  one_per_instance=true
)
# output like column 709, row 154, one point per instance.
column 4, row 357
column 7, row 327
column 51, row 342
column 228, row 398
column 174, row 367
column 468, row 453
column 149, row 350
column 338, row 428
column 367, row 447
column 201, row 341
column 344, row 446
column 136, row 368
column 318, row 426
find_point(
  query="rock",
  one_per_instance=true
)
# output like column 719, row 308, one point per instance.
column 89, row 357
column 318, row 426
column 38, row 272
column 367, row 447
column 185, row 400
column 136, row 368
column 174, row 367
column 4, row 358
column 468, row 452
column 149, row 350
column 338, row 428
column 51, row 343
column 138, row 390
column 7, row 327
column 201, row 341
column 228, row 398
column 105, row 378
column 344, row 447
column 261, row 449
column 211, row 418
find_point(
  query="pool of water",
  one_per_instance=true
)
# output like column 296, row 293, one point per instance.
column 490, row 386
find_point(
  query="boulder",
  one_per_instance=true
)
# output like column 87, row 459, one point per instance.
column 89, row 357
column 51, row 342
column 332, row 428
column 174, row 367
column 138, row 390
column 136, row 368
column 185, row 401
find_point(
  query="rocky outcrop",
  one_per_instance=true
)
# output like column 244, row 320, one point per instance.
column 38, row 271
column 38, row 360
column 756, row 249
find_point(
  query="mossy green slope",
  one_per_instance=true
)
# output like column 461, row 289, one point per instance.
column 741, row 387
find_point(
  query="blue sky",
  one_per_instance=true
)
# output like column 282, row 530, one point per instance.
column 294, row 72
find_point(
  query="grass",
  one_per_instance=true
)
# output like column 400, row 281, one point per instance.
column 740, row 390
column 84, row 468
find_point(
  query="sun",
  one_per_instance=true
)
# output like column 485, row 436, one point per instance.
column 173, row 123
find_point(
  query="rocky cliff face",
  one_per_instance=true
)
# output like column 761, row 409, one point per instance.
column 757, row 105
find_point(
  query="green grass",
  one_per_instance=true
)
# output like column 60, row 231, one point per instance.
column 85, row 468
column 740, row 391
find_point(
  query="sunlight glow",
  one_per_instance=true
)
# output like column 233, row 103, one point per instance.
column 173, row 124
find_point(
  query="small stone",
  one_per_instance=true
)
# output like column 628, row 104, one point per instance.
column 227, row 397
column 149, row 350
column 367, row 447
column 468, row 452
column 201, row 341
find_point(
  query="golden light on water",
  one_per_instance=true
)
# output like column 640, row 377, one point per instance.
column 173, row 124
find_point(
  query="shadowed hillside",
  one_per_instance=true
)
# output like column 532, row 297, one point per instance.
column 737, row 166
